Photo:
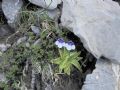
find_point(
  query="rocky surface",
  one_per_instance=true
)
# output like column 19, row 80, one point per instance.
column 104, row 77
column 4, row 47
column 97, row 23
column 11, row 10
column 36, row 30
column 53, row 14
column 49, row 4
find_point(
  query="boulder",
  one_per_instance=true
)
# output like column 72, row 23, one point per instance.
column 48, row 4
column 105, row 77
column 97, row 23
column 11, row 10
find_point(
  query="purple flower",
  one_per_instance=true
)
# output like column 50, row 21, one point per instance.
column 60, row 43
column 70, row 45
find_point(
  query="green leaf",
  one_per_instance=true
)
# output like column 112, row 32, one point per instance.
column 76, row 64
column 56, row 61
column 67, row 70
column 64, row 62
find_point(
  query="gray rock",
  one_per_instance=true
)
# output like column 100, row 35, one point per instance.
column 20, row 40
column 48, row 4
column 35, row 30
column 104, row 77
column 97, row 24
column 4, row 47
column 53, row 14
column 27, row 44
column 11, row 10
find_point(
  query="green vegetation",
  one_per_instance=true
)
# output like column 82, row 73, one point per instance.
column 39, row 55
column 67, row 60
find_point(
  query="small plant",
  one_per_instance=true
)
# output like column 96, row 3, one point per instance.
column 68, row 57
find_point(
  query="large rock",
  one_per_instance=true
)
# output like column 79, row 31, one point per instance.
column 49, row 4
column 11, row 10
column 97, row 23
column 105, row 77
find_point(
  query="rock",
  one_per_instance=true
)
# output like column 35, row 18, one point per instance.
column 53, row 14
column 105, row 77
column 27, row 44
column 20, row 40
column 35, row 30
column 11, row 10
column 4, row 47
column 48, row 4
column 97, row 23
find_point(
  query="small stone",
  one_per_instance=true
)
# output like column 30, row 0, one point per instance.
column 27, row 44
column 22, row 39
column 35, row 30
column 4, row 47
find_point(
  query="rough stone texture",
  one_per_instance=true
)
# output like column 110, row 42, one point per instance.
column 21, row 40
column 104, row 77
column 53, row 14
column 97, row 24
column 11, row 9
column 4, row 47
column 35, row 29
column 49, row 4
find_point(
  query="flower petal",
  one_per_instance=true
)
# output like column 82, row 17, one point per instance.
column 60, row 45
column 56, row 43
column 73, row 47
